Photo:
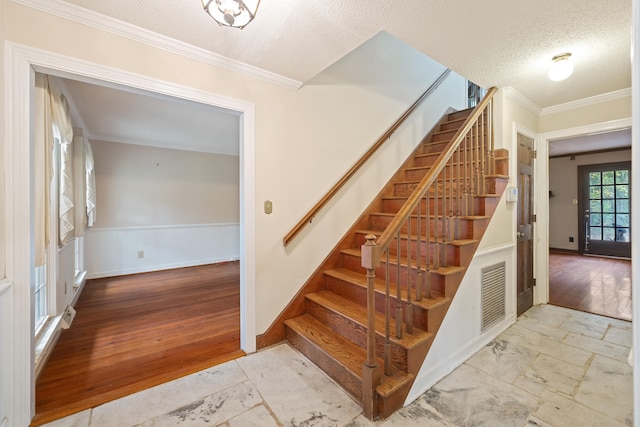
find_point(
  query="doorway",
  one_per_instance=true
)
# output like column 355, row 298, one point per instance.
column 22, row 64
column 590, row 283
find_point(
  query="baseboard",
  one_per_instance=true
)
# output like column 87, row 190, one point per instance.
column 444, row 368
column 45, row 342
column 149, row 269
column 565, row 251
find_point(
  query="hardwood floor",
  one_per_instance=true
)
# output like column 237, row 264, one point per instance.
column 134, row 332
column 592, row 284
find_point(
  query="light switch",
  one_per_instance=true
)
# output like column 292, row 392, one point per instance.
column 575, row 201
column 268, row 206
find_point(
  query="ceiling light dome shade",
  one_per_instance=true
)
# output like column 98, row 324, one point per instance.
column 231, row 13
column 561, row 67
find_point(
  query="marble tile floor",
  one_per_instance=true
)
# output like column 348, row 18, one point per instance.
column 553, row 367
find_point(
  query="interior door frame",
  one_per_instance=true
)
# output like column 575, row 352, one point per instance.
column 541, row 296
column 21, row 64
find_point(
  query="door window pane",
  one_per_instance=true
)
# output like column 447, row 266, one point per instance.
column 622, row 177
column 595, row 206
column 594, row 178
column 622, row 234
column 595, row 219
column 607, row 178
column 596, row 233
column 608, row 220
column 622, row 191
column 622, row 220
column 594, row 192
column 622, row 206
column 609, row 233
column 608, row 192
column 608, row 206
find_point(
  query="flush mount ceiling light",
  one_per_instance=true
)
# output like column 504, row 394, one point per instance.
column 231, row 13
column 561, row 67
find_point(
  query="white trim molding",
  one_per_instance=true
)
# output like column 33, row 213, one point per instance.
column 5, row 285
column 138, row 34
column 21, row 63
column 522, row 100
column 585, row 102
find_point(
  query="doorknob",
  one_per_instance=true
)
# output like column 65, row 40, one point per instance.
column 520, row 234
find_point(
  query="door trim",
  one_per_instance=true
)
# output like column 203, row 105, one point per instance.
column 513, row 171
column 542, row 181
column 21, row 64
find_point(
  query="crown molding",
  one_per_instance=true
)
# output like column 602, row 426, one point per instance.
column 132, row 32
column 585, row 102
column 522, row 100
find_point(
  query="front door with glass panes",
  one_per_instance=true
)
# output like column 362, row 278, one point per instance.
column 605, row 209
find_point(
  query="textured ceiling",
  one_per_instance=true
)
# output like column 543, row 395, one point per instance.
column 492, row 42
column 502, row 43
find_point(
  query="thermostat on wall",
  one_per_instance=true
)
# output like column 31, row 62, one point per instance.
column 512, row 194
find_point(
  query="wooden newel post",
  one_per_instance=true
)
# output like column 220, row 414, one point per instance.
column 371, row 372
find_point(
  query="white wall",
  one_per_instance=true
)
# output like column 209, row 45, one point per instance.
column 161, row 208
column 113, row 251
column 563, row 182
column 66, row 277
column 459, row 336
column 6, row 296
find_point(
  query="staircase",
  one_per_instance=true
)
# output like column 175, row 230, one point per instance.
column 331, row 323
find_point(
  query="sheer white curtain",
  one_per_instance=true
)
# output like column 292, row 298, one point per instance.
column 90, row 177
column 79, row 183
column 43, row 166
column 62, row 120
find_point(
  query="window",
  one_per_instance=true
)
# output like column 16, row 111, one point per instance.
column 41, row 299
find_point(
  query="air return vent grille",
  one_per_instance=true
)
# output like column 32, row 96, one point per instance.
column 493, row 294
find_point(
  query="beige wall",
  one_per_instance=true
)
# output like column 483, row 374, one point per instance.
column 305, row 140
column 596, row 113
column 146, row 186
column 563, row 181
column 508, row 114
column 3, row 96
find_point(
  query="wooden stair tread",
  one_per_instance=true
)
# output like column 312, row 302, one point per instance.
column 391, row 214
column 358, row 313
column 443, row 271
column 345, row 352
column 359, row 279
column 455, row 242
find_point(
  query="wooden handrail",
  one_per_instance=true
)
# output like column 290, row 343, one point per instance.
column 394, row 227
column 316, row 208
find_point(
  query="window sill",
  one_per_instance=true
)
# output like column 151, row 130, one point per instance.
column 45, row 341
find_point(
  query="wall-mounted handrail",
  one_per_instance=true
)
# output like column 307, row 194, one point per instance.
column 332, row 192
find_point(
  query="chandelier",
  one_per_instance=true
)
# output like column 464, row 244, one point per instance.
column 231, row 13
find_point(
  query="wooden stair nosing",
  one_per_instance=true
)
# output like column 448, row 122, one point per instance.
column 414, row 236
column 443, row 271
column 358, row 314
column 358, row 279
column 348, row 355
